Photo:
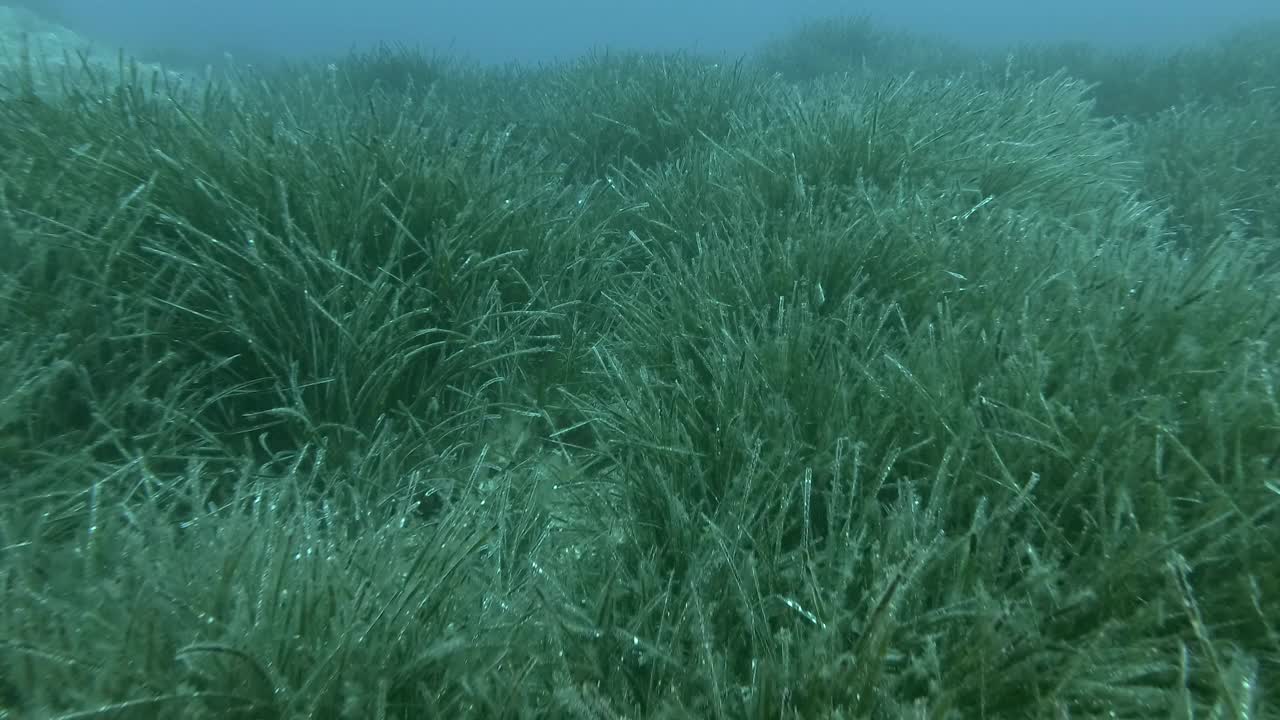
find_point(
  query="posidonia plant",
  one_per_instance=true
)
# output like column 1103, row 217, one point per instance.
column 639, row 386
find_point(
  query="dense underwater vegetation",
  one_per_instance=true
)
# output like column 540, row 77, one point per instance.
column 863, row 377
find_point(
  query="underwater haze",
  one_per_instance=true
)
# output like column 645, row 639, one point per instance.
column 524, row 31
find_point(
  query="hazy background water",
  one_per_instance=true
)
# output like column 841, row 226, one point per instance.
column 535, row 30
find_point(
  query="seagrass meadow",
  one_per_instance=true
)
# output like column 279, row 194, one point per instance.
column 862, row 377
